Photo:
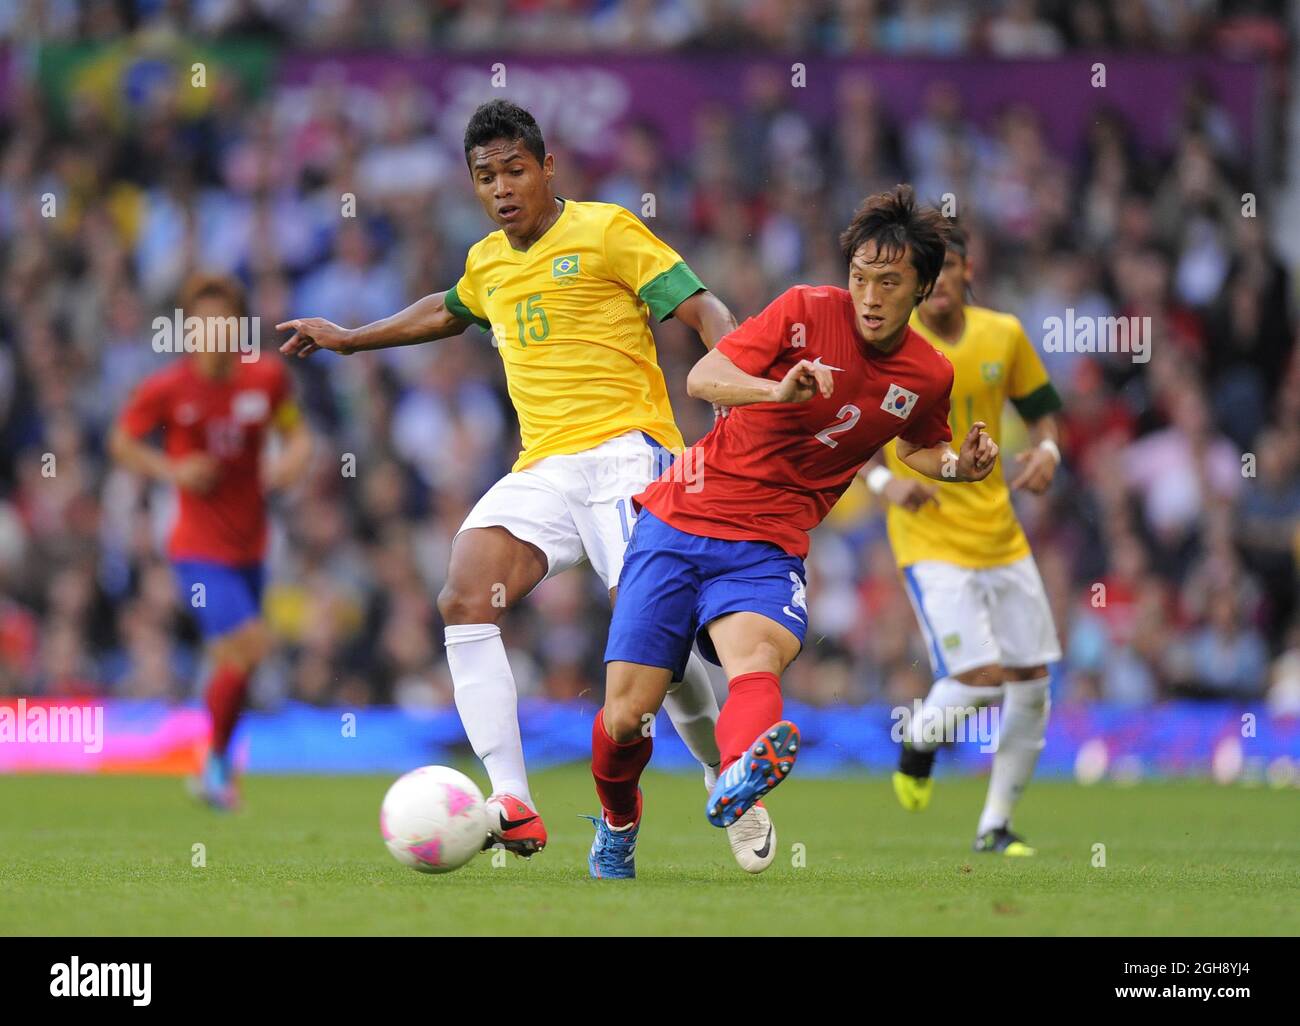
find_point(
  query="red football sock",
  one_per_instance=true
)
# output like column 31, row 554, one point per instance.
column 753, row 704
column 617, row 771
column 225, row 697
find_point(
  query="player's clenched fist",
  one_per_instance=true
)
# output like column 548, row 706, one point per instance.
column 803, row 381
column 978, row 454
column 1037, row 468
column 196, row 472
column 909, row 493
column 312, row 333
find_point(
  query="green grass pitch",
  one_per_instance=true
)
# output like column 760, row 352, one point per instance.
column 113, row 855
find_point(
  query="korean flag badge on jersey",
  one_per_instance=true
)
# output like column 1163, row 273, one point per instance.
column 899, row 401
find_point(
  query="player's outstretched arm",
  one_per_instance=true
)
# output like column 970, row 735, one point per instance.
column 717, row 380
column 706, row 315
column 973, row 462
column 425, row 320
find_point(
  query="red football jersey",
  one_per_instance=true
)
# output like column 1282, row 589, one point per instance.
column 772, row 471
column 227, row 418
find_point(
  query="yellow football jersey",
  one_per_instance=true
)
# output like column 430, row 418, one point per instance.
column 570, row 318
column 974, row 524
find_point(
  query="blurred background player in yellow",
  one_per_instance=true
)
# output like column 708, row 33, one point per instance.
column 567, row 289
column 965, row 561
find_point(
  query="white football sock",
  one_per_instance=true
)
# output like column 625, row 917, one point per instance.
column 693, row 708
column 1021, row 736
column 947, row 702
column 488, row 704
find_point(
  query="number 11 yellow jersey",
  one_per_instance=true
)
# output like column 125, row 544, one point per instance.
column 570, row 318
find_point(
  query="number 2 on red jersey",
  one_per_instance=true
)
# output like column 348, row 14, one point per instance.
column 845, row 419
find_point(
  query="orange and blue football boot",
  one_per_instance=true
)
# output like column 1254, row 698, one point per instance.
column 765, row 764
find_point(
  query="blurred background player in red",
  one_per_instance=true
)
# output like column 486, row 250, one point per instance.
column 213, row 410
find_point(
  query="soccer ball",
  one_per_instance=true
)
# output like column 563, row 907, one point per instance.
column 433, row 819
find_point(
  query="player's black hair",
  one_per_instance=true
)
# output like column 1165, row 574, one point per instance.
column 957, row 240
column 501, row 119
column 895, row 222
column 959, row 244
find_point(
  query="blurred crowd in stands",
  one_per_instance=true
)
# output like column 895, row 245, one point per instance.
column 1003, row 28
column 1169, row 544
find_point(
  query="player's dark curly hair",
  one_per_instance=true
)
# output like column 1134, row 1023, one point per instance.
column 895, row 223
column 501, row 119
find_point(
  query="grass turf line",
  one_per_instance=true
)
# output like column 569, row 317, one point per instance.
column 112, row 855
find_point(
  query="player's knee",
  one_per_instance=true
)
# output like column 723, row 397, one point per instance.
column 624, row 720
column 258, row 642
column 770, row 656
column 244, row 647
column 982, row 677
column 765, row 656
column 1026, row 673
column 460, row 604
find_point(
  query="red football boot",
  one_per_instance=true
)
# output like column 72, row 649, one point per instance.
column 514, row 825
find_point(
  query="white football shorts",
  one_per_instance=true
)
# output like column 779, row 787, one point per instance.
column 576, row 507
column 972, row 617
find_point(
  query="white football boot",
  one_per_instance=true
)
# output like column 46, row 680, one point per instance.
column 753, row 839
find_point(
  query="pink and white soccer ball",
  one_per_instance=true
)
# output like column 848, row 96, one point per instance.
column 433, row 819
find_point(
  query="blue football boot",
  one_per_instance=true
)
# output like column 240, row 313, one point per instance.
column 613, row 852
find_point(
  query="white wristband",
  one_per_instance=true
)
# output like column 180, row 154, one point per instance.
column 877, row 478
column 1049, row 446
